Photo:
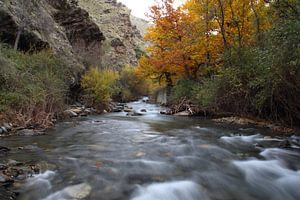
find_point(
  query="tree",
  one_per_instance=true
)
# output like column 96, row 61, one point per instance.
column 161, row 63
column 24, row 21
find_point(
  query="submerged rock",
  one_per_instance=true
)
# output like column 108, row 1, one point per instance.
column 285, row 144
column 78, row 191
column 117, row 109
column 30, row 132
column 11, row 162
column 4, row 149
column 134, row 114
column 7, row 194
column 75, row 192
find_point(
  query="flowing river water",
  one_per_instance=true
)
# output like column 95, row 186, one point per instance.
column 157, row 157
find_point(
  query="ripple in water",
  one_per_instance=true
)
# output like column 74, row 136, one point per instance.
column 270, row 179
column 241, row 138
column 75, row 192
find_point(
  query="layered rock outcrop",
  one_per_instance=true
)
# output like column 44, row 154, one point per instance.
column 141, row 24
column 57, row 24
column 123, row 39
column 87, row 32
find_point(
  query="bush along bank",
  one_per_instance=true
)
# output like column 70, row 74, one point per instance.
column 35, row 88
column 201, row 99
column 101, row 87
column 32, row 87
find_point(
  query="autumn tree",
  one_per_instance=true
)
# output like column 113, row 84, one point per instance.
column 180, row 46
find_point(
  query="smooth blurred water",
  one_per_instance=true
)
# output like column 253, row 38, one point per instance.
column 157, row 157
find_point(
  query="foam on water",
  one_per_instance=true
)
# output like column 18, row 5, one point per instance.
column 77, row 192
column 241, row 138
column 177, row 190
column 271, row 179
column 41, row 180
column 277, row 153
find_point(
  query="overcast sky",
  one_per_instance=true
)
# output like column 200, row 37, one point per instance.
column 140, row 7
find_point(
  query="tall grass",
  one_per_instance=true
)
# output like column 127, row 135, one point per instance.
column 32, row 87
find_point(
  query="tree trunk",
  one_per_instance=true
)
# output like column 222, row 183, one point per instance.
column 169, row 84
column 257, row 20
column 222, row 24
column 17, row 39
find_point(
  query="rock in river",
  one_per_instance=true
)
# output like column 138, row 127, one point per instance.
column 30, row 132
column 75, row 192
column 134, row 114
column 79, row 191
column 70, row 113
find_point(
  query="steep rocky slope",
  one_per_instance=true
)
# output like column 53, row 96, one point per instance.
column 141, row 24
column 57, row 24
column 122, row 38
column 87, row 32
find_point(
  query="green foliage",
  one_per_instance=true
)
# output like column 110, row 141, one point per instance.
column 206, row 93
column 132, row 86
column 31, row 84
column 261, row 78
column 184, row 89
column 265, row 81
column 99, row 86
column 201, row 94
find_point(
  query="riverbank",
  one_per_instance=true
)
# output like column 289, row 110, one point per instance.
column 185, row 108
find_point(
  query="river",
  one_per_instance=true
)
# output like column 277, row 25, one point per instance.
column 157, row 157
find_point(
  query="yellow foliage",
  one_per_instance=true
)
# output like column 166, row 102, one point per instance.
column 189, row 42
column 99, row 85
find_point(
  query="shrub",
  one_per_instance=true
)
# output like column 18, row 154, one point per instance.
column 202, row 94
column 183, row 89
column 33, row 86
column 99, row 86
column 132, row 86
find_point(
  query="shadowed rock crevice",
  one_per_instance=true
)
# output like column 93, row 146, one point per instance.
column 59, row 25
column 82, row 33
column 29, row 41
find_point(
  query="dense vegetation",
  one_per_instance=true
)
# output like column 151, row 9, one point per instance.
column 32, row 87
column 237, row 56
column 101, row 86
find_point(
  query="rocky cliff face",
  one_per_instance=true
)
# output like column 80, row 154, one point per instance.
column 141, row 24
column 57, row 24
column 122, row 38
column 87, row 32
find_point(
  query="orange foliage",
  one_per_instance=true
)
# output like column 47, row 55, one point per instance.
column 189, row 41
